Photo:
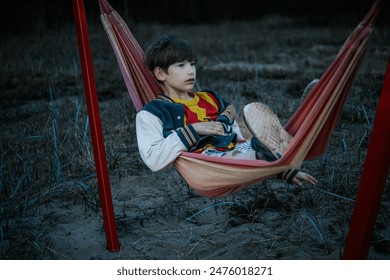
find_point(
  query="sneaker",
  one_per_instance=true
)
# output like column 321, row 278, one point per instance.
column 265, row 125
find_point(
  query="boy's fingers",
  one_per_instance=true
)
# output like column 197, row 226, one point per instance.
column 305, row 177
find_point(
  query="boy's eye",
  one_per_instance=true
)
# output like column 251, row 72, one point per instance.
column 183, row 64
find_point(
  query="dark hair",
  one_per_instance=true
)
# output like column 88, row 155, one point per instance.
column 167, row 51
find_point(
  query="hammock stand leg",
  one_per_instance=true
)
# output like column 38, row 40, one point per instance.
column 95, row 126
column 373, row 179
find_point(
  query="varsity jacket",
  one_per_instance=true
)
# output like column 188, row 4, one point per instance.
column 162, row 133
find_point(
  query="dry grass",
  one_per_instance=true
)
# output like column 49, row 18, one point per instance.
column 47, row 170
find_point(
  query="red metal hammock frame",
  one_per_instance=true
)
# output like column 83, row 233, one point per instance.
column 143, row 81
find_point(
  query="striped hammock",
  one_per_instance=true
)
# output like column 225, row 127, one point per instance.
column 311, row 125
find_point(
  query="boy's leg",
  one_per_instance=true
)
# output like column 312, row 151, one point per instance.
column 266, row 127
column 263, row 123
column 270, row 140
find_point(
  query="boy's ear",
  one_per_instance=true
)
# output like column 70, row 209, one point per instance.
column 159, row 74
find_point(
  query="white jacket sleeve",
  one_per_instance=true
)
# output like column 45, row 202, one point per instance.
column 156, row 151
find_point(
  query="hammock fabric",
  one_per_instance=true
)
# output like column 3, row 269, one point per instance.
column 310, row 126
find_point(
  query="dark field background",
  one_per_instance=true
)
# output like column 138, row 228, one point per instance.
column 27, row 16
column 266, row 51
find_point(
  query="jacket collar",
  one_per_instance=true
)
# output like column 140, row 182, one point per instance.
column 164, row 97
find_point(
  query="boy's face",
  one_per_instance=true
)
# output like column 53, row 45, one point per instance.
column 180, row 77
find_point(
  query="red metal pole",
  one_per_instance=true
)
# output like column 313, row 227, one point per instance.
column 373, row 179
column 95, row 125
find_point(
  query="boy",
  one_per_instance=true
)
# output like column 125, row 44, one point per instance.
column 182, row 120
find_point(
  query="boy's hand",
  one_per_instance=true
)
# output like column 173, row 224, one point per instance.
column 301, row 176
column 208, row 128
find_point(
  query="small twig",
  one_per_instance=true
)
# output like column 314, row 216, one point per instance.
column 85, row 139
column 212, row 206
column 315, row 226
column 361, row 140
column 336, row 195
column 345, row 147
column 366, row 116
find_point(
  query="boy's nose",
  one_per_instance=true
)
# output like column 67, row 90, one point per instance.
column 190, row 69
